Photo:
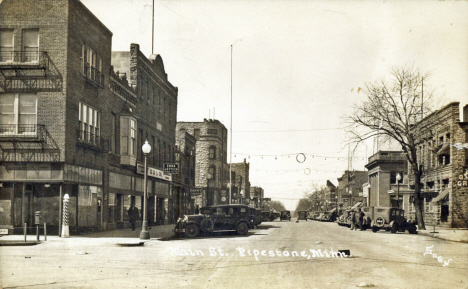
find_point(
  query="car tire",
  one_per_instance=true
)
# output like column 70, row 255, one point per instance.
column 374, row 229
column 192, row 230
column 394, row 228
column 412, row 230
column 242, row 228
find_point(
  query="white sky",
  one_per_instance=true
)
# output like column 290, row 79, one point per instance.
column 297, row 67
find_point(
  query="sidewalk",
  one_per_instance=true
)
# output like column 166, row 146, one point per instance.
column 449, row 234
column 116, row 236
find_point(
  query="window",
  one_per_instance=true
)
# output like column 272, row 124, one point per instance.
column 6, row 45
column 154, row 149
column 393, row 179
column 91, row 65
column 18, row 113
column 128, row 134
column 31, row 45
column 113, row 130
column 89, row 120
column 212, row 152
column 159, row 153
column 140, row 144
column 211, row 173
column 213, row 131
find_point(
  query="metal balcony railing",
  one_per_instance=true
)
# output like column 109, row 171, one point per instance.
column 93, row 76
column 24, row 58
column 22, row 131
column 91, row 140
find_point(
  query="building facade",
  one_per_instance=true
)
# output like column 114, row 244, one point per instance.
column 211, row 168
column 257, row 195
column 440, row 137
column 71, row 125
column 350, row 187
column 383, row 169
column 241, row 183
column 186, row 193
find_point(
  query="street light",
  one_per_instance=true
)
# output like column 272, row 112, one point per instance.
column 144, row 234
column 398, row 178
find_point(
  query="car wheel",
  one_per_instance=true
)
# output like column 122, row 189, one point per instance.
column 242, row 229
column 374, row 229
column 192, row 230
column 394, row 228
column 412, row 230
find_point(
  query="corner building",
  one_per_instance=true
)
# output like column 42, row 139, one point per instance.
column 211, row 168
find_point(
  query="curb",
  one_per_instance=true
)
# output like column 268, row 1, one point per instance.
column 435, row 235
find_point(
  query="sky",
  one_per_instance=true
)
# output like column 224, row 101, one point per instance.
column 296, row 69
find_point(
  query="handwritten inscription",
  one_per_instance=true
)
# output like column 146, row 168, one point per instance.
column 439, row 258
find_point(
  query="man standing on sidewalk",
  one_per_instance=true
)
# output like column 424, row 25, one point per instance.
column 133, row 215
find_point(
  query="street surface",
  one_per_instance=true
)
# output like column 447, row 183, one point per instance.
column 379, row 260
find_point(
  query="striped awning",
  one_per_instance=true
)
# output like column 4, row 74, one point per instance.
column 442, row 195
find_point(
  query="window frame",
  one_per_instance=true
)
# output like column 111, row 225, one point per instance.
column 16, row 115
column 7, row 48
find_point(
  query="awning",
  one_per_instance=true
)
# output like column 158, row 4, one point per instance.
column 444, row 150
column 357, row 205
column 442, row 195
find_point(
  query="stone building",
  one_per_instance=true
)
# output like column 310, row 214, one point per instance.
column 349, row 189
column 211, row 168
column 441, row 140
column 241, row 183
column 383, row 168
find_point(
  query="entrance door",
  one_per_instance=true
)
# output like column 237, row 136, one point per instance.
column 444, row 212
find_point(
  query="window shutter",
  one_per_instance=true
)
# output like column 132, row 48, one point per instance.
column 124, row 131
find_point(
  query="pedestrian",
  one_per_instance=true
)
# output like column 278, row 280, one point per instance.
column 197, row 210
column 360, row 219
column 133, row 215
column 353, row 220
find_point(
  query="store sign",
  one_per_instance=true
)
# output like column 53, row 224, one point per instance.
column 171, row 168
column 196, row 192
column 155, row 173
column 463, row 179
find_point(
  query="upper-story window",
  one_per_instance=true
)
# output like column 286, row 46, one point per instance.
column 31, row 45
column 128, row 136
column 89, row 120
column 212, row 152
column 18, row 113
column 6, row 45
column 91, row 65
column 393, row 178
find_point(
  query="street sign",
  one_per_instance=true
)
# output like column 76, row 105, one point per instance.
column 171, row 168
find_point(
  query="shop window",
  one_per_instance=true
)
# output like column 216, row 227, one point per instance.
column 18, row 113
column 6, row 45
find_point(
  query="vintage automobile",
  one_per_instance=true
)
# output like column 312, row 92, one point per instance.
column 274, row 216
column 285, row 215
column 345, row 218
column 212, row 219
column 314, row 215
column 326, row 217
column 266, row 215
column 391, row 219
column 253, row 217
column 368, row 217
column 302, row 215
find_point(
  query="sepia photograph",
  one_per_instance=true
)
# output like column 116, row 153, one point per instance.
column 233, row 144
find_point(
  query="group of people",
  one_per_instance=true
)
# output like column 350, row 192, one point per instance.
column 357, row 219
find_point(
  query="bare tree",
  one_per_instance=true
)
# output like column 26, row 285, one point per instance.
column 392, row 107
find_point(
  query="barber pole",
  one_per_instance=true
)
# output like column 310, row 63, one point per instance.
column 65, row 223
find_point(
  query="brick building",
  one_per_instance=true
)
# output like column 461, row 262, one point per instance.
column 383, row 168
column 185, row 180
column 349, row 188
column 257, row 194
column 146, row 110
column 241, row 181
column 211, row 168
column 439, row 138
column 69, row 124
column 54, row 62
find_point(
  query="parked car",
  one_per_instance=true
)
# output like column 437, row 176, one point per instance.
column 368, row 217
column 253, row 216
column 285, row 215
column 302, row 215
column 345, row 218
column 326, row 217
column 212, row 219
column 274, row 216
column 266, row 215
column 391, row 219
column 315, row 215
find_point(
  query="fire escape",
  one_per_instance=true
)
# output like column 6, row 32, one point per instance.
column 22, row 72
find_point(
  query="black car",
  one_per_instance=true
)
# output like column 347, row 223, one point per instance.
column 222, row 218
column 285, row 215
